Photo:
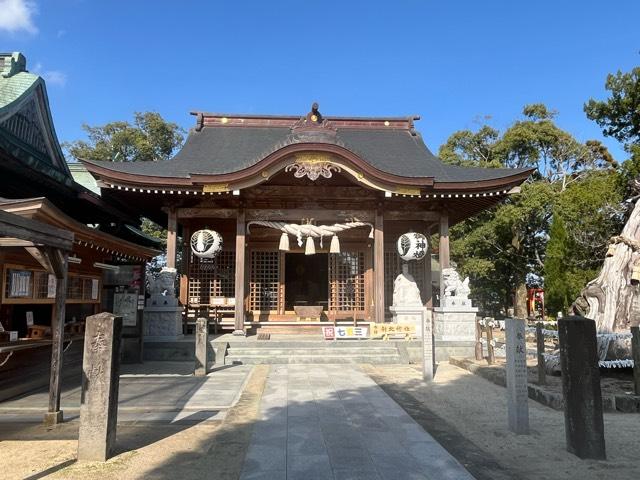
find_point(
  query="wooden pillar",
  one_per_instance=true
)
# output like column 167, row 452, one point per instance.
column 378, row 268
column 60, row 264
column 443, row 257
column 172, row 228
column 240, row 273
column 428, row 294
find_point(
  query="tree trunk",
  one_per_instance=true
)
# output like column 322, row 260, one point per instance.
column 520, row 301
column 610, row 298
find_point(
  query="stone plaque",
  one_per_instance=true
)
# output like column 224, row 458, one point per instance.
column 517, row 389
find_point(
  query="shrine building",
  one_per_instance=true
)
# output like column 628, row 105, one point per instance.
column 309, row 208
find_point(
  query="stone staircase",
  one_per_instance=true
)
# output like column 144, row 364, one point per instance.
column 318, row 352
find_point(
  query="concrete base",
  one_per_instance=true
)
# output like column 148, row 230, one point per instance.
column 454, row 332
column 162, row 323
column 53, row 418
column 410, row 314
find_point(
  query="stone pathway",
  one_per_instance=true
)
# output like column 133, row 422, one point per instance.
column 150, row 392
column 334, row 422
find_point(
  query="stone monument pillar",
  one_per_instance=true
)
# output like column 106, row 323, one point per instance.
column 163, row 314
column 454, row 319
column 100, row 380
column 517, row 383
column 202, row 344
column 407, row 305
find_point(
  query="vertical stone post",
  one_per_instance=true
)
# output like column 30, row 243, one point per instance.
column 202, row 344
column 542, row 375
column 427, row 345
column 517, row 388
column 635, row 353
column 100, row 379
column 583, row 421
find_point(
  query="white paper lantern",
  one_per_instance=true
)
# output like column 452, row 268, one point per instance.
column 412, row 246
column 206, row 243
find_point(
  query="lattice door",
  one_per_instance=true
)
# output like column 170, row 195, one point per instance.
column 346, row 282
column 393, row 267
column 264, row 286
column 212, row 278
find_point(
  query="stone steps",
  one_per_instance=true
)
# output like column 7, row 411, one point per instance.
column 312, row 352
column 386, row 359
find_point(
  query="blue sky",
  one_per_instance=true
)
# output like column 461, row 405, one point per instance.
column 451, row 62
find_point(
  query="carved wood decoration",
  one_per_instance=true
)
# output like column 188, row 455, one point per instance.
column 312, row 170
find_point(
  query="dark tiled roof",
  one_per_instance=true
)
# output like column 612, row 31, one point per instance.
column 219, row 150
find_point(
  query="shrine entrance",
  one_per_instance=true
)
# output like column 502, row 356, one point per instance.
column 306, row 280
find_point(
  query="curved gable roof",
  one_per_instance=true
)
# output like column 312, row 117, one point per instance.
column 224, row 144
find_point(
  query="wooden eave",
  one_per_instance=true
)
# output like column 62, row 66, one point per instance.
column 40, row 209
column 276, row 161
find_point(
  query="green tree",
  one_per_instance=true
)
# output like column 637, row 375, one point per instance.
column 619, row 115
column 149, row 138
column 556, row 279
column 504, row 249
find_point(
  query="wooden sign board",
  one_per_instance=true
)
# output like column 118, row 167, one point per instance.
column 344, row 333
column 384, row 330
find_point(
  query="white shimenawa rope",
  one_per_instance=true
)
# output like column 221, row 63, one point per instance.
column 310, row 230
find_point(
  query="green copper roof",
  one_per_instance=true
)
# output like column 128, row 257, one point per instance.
column 15, row 81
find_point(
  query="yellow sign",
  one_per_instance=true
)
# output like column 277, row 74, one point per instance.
column 385, row 329
column 215, row 187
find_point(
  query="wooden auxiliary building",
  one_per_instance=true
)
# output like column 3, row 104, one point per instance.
column 236, row 170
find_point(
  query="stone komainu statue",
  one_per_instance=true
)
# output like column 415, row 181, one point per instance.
column 456, row 292
column 164, row 283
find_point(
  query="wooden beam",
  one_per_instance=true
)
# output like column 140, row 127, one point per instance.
column 240, row 273
column 428, row 300
column 172, row 227
column 41, row 254
column 378, row 267
column 16, row 242
column 15, row 226
column 443, row 257
column 54, row 414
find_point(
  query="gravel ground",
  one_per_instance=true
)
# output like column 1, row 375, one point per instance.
column 468, row 416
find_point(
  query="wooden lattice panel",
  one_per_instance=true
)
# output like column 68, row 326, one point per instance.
column 211, row 278
column 346, row 279
column 264, row 285
column 393, row 268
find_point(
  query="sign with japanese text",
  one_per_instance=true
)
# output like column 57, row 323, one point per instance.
column 337, row 333
column 386, row 329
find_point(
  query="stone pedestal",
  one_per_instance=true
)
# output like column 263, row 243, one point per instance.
column 454, row 331
column 100, row 380
column 411, row 314
column 162, row 323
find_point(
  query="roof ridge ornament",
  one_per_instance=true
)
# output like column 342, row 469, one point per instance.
column 314, row 128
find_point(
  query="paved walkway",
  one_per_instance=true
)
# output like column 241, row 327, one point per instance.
column 149, row 392
column 334, row 422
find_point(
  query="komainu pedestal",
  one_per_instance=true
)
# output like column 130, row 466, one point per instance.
column 454, row 321
column 163, row 314
column 407, row 306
